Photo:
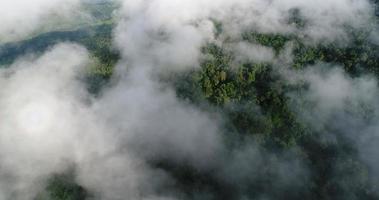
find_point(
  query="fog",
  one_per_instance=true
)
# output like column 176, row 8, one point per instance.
column 50, row 123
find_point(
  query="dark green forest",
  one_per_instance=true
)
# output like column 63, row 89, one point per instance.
column 252, row 99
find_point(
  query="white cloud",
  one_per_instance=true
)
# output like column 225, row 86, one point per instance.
column 22, row 17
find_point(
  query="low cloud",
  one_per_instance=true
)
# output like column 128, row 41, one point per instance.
column 20, row 18
column 50, row 123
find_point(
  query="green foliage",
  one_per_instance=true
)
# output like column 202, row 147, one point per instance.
column 275, row 41
column 361, row 56
column 254, row 104
column 252, row 100
column 62, row 187
column 215, row 80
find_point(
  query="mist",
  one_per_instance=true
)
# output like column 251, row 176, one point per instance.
column 136, row 138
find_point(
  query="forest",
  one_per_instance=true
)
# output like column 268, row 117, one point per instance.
column 279, row 140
